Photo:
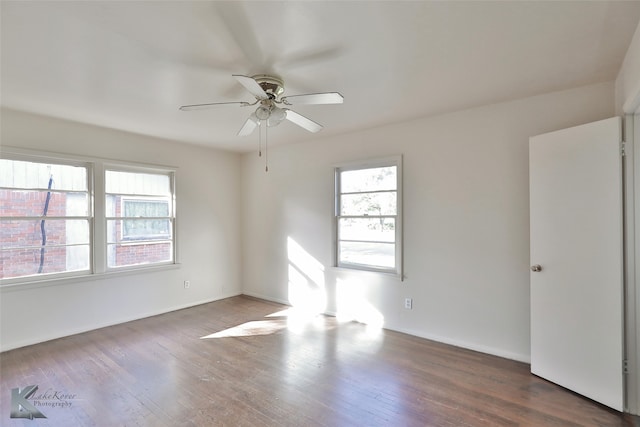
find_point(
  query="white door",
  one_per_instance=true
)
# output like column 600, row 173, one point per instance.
column 576, row 240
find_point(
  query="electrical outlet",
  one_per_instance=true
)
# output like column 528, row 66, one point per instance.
column 408, row 303
column 187, row 284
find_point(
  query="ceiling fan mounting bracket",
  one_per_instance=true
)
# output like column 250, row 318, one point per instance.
column 273, row 86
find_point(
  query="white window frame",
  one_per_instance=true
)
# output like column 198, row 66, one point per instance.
column 119, row 167
column 96, row 168
column 370, row 164
column 90, row 217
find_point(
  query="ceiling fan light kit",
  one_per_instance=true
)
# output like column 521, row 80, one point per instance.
column 276, row 117
column 263, row 112
column 268, row 92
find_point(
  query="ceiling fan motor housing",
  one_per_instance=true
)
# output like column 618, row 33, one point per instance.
column 273, row 86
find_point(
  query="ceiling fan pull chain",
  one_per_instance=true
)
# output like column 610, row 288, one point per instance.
column 260, row 139
column 266, row 149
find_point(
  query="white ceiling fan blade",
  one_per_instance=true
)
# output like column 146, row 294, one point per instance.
column 314, row 98
column 249, row 126
column 302, row 121
column 211, row 105
column 252, row 86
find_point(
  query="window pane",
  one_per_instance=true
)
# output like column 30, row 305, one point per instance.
column 31, row 175
column 17, row 203
column 367, row 229
column 370, row 179
column 29, row 262
column 377, row 255
column 126, row 254
column 145, row 228
column 368, row 204
column 138, row 229
column 137, row 208
column 137, row 183
column 24, row 233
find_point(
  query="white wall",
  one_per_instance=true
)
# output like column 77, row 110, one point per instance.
column 466, row 219
column 628, row 80
column 627, row 90
column 208, row 226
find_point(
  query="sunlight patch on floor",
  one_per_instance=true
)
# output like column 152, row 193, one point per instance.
column 293, row 319
column 283, row 313
column 249, row 329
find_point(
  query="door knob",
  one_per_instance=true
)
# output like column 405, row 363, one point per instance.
column 536, row 268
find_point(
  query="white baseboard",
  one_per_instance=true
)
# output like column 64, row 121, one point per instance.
column 525, row 358
column 266, row 298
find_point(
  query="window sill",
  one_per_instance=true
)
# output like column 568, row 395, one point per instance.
column 355, row 270
column 12, row 286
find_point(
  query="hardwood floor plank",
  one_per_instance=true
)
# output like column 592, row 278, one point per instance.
column 247, row 362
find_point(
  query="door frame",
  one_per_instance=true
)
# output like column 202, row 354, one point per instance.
column 631, row 163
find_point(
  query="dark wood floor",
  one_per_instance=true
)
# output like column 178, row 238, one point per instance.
column 244, row 362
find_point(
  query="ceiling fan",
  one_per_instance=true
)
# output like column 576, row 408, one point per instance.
column 267, row 91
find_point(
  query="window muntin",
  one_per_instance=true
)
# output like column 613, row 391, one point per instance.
column 45, row 218
column 367, row 216
column 140, row 218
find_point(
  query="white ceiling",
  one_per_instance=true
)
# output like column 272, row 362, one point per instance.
column 130, row 65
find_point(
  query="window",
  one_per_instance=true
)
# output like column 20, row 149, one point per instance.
column 139, row 215
column 64, row 216
column 45, row 218
column 368, row 220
